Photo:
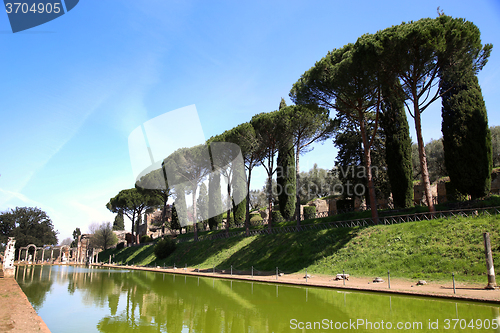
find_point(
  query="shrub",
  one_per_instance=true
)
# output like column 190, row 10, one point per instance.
column 255, row 219
column 309, row 212
column 146, row 239
column 120, row 246
column 491, row 201
column 277, row 217
column 164, row 248
column 202, row 225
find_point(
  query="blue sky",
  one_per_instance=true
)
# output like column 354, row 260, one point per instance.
column 73, row 89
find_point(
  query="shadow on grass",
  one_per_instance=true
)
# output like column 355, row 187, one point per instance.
column 202, row 253
column 292, row 252
column 131, row 255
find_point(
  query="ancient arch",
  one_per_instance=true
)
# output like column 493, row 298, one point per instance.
column 62, row 253
column 26, row 248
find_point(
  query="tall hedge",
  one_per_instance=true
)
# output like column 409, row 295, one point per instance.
column 466, row 136
column 398, row 150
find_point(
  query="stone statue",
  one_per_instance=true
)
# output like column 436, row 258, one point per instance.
column 64, row 258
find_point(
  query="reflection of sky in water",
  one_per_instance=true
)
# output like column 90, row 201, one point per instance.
column 74, row 299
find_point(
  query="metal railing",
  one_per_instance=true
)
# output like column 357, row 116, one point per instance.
column 384, row 220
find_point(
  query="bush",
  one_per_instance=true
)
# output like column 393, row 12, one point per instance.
column 255, row 219
column 277, row 217
column 491, row 201
column 146, row 239
column 309, row 212
column 120, row 246
column 164, row 248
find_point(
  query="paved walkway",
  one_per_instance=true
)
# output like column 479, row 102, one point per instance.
column 465, row 291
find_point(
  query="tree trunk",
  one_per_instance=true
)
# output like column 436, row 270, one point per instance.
column 194, row 215
column 137, row 239
column 270, row 201
column 368, row 164
column 164, row 212
column 423, row 159
column 132, row 230
column 297, row 189
column 228, row 215
column 247, row 217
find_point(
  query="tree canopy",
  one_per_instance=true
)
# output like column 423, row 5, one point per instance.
column 155, row 183
column 103, row 236
column 346, row 80
column 269, row 136
column 133, row 203
column 188, row 167
column 29, row 225
column 404, row 60
column 304, row 125
column 246, row 138
column 415, row 53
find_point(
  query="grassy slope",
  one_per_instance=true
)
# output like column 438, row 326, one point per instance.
column 492, row 201
column 429, row 249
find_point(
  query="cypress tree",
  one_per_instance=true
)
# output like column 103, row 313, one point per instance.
column 180, row 206
column 214, row 201
column 285, row 176
column 398, row 150
column 466, row 136
column 239, row 191
column 119, row 223
column 202, row 207
column 285, row 179
column 175, row 219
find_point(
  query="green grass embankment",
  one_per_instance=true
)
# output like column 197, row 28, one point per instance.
column 429, row 250
column 492, row 201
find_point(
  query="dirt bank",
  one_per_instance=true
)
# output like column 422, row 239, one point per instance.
column 16, row 312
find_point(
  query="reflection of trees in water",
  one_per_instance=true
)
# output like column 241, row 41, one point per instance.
column 155, row 302
column 34, row 281
column 96, row 286
column 206, row 305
